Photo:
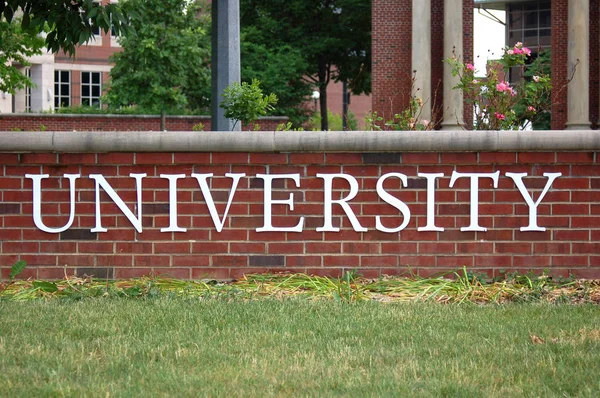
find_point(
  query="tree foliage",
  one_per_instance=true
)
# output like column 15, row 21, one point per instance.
column 68, row 23
column 321, row 41
column 16, row 46
column 164, row 61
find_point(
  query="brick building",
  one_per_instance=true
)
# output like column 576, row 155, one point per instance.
column 64, row 81
column 412, row 37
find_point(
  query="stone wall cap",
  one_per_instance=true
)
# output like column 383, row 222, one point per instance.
column 300, row 141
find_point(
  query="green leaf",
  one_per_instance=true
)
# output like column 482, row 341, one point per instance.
column 16, row 269
column 44, row 286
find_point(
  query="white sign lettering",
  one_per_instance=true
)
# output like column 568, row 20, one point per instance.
column 269, row 202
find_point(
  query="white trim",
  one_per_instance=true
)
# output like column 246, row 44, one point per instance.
column 84, row 67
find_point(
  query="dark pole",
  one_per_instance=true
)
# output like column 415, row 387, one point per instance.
column 344, row 106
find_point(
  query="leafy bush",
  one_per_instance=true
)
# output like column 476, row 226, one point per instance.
column 246, row 103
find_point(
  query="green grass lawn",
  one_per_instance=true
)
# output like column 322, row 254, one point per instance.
column 296, row 347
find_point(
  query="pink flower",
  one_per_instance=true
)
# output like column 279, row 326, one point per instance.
column 536, row 79
column 502, row 86
column 510, row 52
column 499, row 116
column 516, row 51
column 526, row 51
column 531, row 108
column 475, row 81
column 470, row 67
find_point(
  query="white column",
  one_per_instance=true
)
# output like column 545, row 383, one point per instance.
column 578, row 90
column 421, row 54
column 42, row 95
column 453, row 46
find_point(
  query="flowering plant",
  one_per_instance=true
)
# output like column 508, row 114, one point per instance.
column 498, row 105
column 409, row 119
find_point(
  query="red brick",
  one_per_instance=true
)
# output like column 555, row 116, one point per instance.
column 307, row 158
column 285, row 248
column 191, row 261
column 39, row 158
column 420, row 158
column 229, row 261
column 497, row 157
column 324, row 247
column 379, row 261
column 341, row 261
column 153, row 158
column 179, row 273
column 536, row 157
column 95, row 247
column 512, row 247
column 570, row 261
column 575, row 157
column 172, row 247
column 455, row 261
column 77, row 158
column 268, row 158
column 152, row 261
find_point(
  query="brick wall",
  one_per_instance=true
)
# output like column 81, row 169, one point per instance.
column 57, row 122
column 570, row 212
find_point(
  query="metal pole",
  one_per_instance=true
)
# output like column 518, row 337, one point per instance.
column 225, row 58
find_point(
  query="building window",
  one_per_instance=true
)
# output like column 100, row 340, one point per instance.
column 530, row 23
column 62, row 88
column 91, row 88
column 28, row 91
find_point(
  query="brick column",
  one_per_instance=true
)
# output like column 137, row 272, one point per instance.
column 578, row 105
column 453, row 46
column 559, row 63
column 421, row 54
column 391, row 54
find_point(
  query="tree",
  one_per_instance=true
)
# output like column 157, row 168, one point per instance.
column 280, row 70
column 68, row 23
column 333, row 38
column 16, row 47
column 163, row 65
column 65, row 23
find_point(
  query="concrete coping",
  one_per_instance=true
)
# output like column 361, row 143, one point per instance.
column 118, row 116
column 301, row 141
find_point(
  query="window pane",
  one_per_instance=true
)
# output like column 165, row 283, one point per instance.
column 85, row 101
column 515, row 20
column 545, row 19
column 85, row 91
column 85, row 77
column 95, row 91
column 96, row 78
column 64, row 76
column 530, row 20
column 64, row 89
